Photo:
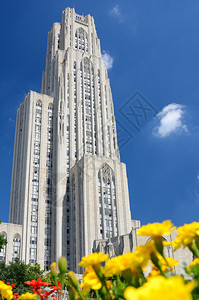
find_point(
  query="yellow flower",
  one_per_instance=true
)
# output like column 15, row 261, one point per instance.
column 132, row 261
column 186, row 235
column 176, row 244
column 6, row 291
column 166, row 243
column 143, row 252
column 117, row 265
column 165, row 267
column 90, row 281
column 193, row 263
column 112, row 267
column 171, row 263
column 126, row 261
column 28, row 296
column 156, row 229
column 159, row 287
column 93, row 259
column 109, row 284
column 155, row 272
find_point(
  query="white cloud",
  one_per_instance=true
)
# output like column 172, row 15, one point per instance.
column 170, row 120
column 108, row 60
column 11, row 119
column 115, row 11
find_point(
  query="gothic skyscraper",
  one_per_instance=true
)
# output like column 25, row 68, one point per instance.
column 69, row 187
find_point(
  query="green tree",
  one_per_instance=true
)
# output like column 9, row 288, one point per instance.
column 3, row 241
column 18, row 272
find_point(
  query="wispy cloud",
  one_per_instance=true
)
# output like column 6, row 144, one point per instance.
column 116, row 12
column 170, row 120
column 11, row 120
column 108, row 60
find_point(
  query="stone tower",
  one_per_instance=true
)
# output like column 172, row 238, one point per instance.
column 69, row 187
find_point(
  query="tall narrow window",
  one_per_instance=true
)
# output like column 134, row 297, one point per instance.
column 74, row 216
column 81, row 40
column 16, row 247
column 67, row 146
column 93, row 110
column 88, row 106
column 48, row 201
column 100, row 108
column 3, row 250
column 35, row 183
column 75, row 109
column 107, row 202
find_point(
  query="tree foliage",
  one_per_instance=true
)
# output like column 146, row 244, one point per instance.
column 3, row 241
column 18, row 272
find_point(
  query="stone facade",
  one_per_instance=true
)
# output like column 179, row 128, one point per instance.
column 13, row 234
column 68, row 184
column 128, row 242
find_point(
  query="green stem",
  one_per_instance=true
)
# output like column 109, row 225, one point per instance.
column 193, row 248
column 97, row 294
column 142, row 275
column 80, row 294
column 157, row 263
column 104, row 290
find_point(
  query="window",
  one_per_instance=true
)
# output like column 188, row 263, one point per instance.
column 107, row 202
column 81, row 40
column 16, row 247
column 3, row 250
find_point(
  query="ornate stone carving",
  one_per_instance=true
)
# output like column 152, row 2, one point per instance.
column 106, row 172
column 82, row 31
column 86, row 64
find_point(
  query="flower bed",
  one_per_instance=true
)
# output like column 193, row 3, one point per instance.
column 123, row 277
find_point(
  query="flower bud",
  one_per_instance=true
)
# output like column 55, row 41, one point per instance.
column 193, row 248
column 73, row 279
column 62, row 264
column 159, row 245
column 53, row 268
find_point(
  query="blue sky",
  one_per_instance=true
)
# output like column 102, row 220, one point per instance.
column 152, row 50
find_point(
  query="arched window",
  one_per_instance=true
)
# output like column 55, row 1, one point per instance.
column 3, row 250
column 81, row 40
column 39, row 103
column 107, row 202
column 38, row 112
column 50, row 106
column 16, row 247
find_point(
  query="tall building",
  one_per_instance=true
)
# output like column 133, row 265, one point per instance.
column 69, row 187
column 69, row 192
